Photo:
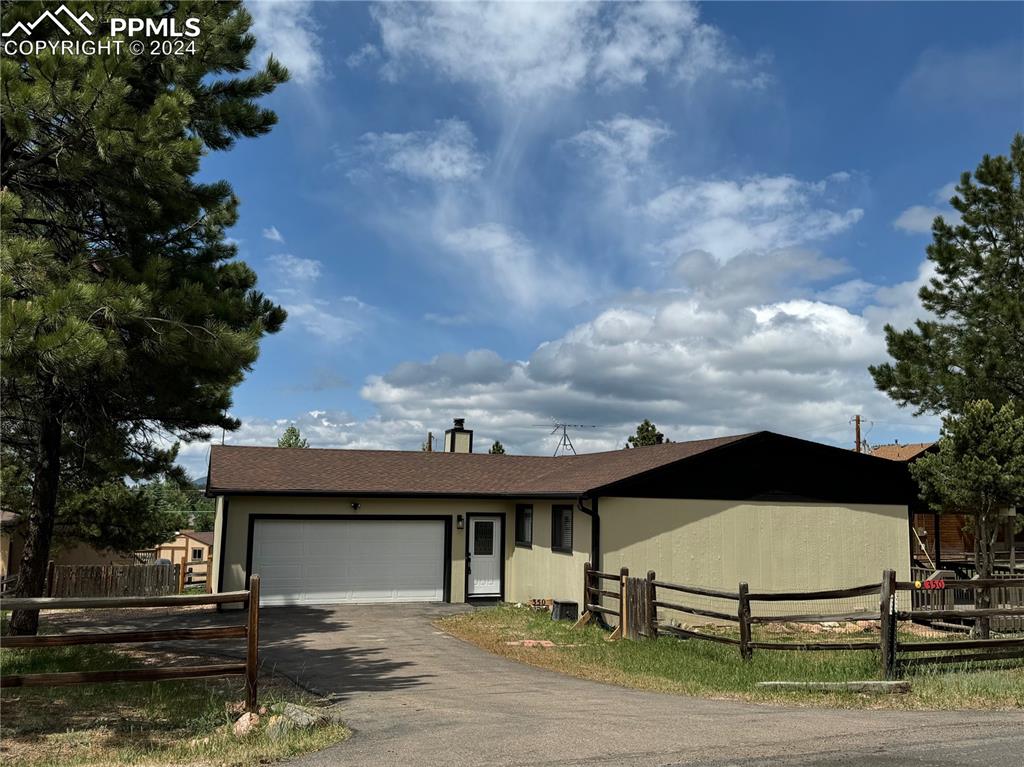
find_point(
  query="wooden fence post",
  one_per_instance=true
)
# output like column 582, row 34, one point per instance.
column 209, row 575
column 585, row 614
column 743, row 613
column 651, row 596
column 636, row 608
column 49, row 578
column 887, row 618
column 587, row 569
column 181, row 576
column 252, row 662
column 623, row 599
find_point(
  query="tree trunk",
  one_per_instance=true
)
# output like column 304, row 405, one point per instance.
column 39, row 533
column 983, row 567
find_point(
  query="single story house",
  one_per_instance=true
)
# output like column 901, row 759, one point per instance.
column 70, row 553
column 195, row 547
column 363, row 526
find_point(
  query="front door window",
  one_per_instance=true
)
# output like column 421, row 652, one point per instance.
column 484, row 557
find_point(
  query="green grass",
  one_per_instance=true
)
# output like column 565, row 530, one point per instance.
column 708, row 669
column 160, row 723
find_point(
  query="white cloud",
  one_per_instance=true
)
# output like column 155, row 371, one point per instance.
column 295, row 282
column 917, row 219
column 945, row 193
column 849, row 294
column 295, row 269
column 760, row 213
column 322, row 428
column 332, row 321
column 286, row 28
column 445, row 154
column 696, row 368
column 524, row 51
column 694, row 363
column 970, row 78
column 754, row 278
column 506, row 262
column 621, row 144
column 271, row 233
column 367, row 52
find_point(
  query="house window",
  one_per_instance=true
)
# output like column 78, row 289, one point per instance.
column 524, row 525
column 197, row 555
column 561, row 528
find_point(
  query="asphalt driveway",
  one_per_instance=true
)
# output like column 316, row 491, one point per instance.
column 416, row 696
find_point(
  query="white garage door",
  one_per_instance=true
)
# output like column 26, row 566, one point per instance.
column 332, row 561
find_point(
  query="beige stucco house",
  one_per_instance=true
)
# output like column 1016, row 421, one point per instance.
column 363, row 526
column 12, row 543
column 193, row 547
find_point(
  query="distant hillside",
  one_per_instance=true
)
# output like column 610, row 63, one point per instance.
column 200, row 483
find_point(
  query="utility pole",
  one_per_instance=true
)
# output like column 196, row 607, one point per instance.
column 856, row 421
column 430, row 442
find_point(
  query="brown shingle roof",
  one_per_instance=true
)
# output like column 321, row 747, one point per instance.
column 201, row 536
column 898, row 452
column 237, row 469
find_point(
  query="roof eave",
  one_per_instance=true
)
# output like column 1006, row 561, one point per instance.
column 214, row 492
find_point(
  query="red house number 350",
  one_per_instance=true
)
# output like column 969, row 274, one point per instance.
column 936, row 584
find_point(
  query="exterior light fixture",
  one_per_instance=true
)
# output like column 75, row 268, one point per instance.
column 355, row 505
column 460, row 522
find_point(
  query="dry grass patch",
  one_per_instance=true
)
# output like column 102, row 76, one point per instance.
column 713, row 670
column 185, row 722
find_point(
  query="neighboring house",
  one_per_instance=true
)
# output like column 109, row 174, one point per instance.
column 337, row 526
column 943, row 540
column 11, row 543
column 195, row 547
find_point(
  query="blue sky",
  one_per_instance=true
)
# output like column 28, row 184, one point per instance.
column 703, row 215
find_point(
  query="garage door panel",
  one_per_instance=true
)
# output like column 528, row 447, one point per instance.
column 352, row 560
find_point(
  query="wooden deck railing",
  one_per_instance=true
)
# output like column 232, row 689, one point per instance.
column 248, row 631
column 640, row 599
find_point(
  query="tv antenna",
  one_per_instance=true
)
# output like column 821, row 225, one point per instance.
column 565, row 446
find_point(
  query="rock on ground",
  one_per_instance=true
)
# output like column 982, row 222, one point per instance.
column 245, row 724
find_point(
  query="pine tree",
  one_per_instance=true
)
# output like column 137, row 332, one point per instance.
column 646, row 434
column 978, row 471
column 973, row 346
column 497, row 448
column 127, row 320
column 292, row 437
column 967, row 361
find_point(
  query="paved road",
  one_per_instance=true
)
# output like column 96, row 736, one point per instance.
column 416, row 696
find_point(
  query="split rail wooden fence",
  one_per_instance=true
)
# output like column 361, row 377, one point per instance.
column 249, row 631
column 639, row 600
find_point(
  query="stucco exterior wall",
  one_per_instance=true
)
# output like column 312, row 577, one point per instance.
column 60, row 554
column 540, row 573
column 218, row 527
column 785, row 546
column 530, row 573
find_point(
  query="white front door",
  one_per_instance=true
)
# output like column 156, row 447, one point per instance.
column 484, row 557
